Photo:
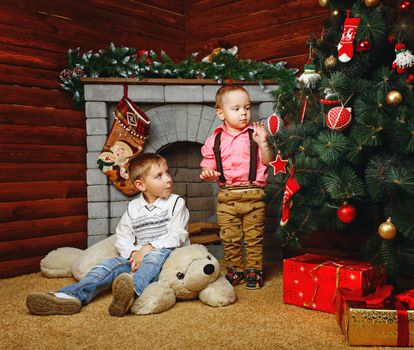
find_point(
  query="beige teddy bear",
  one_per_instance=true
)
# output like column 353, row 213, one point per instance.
column 188, row 273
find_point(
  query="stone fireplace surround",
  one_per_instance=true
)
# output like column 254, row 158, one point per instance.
column 179, row 110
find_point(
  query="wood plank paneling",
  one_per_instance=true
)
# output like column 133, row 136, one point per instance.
column 43, row 172
column 38, row 246
column 20, row 191
column 23, row 229
column 41, row 116
column 24, row 153
column 263, row 30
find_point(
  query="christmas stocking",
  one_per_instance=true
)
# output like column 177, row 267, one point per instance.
column 292, row 186
column 125, row 140
column 345, row 46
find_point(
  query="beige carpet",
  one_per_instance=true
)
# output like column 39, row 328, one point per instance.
column 258, row 320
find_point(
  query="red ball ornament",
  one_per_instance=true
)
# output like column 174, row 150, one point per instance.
column 274, row 123
column 338, row 118
column 363, row 46
column 391, row 38
column 346, row 213
column 410, row 79
column 147, row 53
column 405, row 6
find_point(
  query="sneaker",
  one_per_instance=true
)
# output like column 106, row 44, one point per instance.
column 254, row 279
column 45, row 304
column 234, row 277
column 123, row 295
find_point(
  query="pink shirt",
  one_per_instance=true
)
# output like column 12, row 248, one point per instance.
column 235, row 156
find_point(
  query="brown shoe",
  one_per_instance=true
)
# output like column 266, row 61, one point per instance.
column 123, row 295
column 45, row 304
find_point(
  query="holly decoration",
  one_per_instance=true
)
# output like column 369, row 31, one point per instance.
column 279, row 164
column 338, row 118
column 274, row 123
column 346, row 213
column 387, row 230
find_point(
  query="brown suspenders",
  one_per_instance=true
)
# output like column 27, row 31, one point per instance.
column 253, row 157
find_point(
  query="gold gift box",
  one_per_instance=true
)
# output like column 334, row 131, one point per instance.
column 367, row 326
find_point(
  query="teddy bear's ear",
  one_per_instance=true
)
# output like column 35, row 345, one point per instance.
column 156, row 298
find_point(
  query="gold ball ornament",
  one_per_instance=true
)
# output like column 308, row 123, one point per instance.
column 323, row 3
column 387, row 230
column 371, row 3
column 394, row 98
column 330, row 62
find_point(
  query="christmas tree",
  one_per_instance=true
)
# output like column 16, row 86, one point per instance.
column 348, row 133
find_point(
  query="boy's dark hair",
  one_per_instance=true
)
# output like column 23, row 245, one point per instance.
column 225, row 89
column 139, row 166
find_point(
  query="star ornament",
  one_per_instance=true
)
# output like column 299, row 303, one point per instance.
column 279, row 165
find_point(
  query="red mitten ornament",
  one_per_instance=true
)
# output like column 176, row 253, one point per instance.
column 345, row 46
column 125, row 140
column 292, row 186
column 338, row 118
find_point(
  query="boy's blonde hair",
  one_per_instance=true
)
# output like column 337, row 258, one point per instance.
column 226, row 89
column 141, row 165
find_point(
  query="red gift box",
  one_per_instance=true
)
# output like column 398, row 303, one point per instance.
column 380, row 318
column 311, row 280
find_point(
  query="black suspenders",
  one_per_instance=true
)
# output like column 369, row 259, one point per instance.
column 253, row 157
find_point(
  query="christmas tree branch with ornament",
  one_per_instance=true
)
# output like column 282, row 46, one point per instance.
column 124, row 62
column 349, row 134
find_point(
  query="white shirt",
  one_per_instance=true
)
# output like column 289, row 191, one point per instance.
column 162, row 223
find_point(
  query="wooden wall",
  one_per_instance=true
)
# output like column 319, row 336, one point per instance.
column 42, row 137
column 265, row 30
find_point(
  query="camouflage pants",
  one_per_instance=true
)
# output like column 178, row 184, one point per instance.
column 241, row 216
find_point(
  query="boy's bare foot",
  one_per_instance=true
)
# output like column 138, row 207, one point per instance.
column 45, row 304
column 123, row 295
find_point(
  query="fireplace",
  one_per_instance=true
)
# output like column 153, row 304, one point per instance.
column 182, row 115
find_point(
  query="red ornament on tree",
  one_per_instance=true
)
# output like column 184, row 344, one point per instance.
column 346, row 213
column 279, row 164
column 274, row 123
column 363, row 46
column 338, row 118
column 405, row 6
column 410, row 79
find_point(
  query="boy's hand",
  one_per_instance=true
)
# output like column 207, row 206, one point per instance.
column 209, row 175
column 259, row 133
column 138, row 255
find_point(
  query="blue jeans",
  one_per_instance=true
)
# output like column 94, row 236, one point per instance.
column 100, row 278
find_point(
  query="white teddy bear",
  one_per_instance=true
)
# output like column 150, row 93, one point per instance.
column 188, row 273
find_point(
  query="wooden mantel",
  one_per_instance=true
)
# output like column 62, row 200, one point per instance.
column 167, row 81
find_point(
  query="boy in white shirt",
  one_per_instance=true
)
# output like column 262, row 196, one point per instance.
column 153, row 225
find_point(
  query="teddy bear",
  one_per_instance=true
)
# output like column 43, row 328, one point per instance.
column 189, row 272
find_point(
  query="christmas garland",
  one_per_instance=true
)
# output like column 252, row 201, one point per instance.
column 124, row 62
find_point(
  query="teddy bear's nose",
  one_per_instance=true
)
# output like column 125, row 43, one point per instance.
column 209, row 269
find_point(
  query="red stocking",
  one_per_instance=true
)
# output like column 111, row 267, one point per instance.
column 292, row 186
column 346, row 46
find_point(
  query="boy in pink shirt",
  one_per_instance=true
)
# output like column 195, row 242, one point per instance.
column 236, row 156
